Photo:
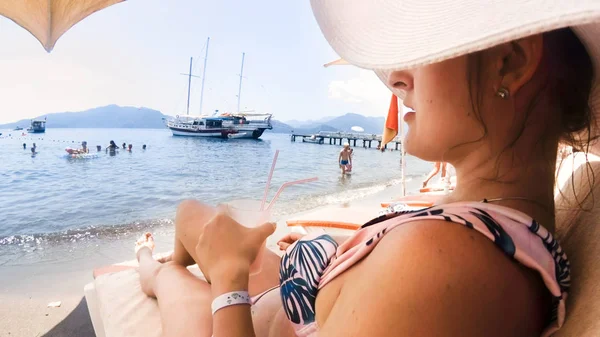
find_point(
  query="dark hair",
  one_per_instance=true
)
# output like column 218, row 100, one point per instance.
column 569, row 74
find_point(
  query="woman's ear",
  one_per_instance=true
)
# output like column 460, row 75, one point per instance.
column 518, row 61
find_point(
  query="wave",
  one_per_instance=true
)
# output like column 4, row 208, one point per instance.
column 85, row 234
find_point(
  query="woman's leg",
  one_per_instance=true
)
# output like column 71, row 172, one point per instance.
column 189, row 224
column 183, row 299
column 433, row 172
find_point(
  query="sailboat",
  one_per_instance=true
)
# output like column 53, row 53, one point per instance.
column 245, row 124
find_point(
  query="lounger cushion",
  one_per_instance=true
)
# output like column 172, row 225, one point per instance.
column 124, row 308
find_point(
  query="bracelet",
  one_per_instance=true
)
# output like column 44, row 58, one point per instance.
column 229, row 299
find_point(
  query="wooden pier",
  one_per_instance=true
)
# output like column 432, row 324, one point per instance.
column 335, row 138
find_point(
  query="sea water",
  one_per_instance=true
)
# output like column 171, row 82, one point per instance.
column 48, row 199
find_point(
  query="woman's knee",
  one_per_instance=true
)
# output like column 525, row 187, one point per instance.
column 193, row 212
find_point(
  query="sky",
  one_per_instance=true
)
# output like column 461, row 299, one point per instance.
column 133, row 54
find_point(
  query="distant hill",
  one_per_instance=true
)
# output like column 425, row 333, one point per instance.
column 309, row 123
column 346, row 122
column 371, row 125
column 114, row 116
column 111, row 116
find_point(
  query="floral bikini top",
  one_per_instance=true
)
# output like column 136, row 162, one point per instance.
column 316, row 259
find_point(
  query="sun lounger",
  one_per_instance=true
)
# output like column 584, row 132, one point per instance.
column 117, row 305
column 335, row 221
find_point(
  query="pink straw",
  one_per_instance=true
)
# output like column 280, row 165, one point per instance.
column 262, row 204
column 289, row 183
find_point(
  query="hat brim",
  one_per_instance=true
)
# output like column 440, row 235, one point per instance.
column 388, row 35
column 394, row 34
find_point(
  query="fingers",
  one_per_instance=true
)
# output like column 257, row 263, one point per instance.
column 290, row 238
column 287, row 240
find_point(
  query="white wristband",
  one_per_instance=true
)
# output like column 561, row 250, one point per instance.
column 229, row 299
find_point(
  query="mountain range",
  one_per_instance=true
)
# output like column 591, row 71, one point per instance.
column 114, row 116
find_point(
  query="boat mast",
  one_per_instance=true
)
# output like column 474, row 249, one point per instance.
column 203, row 75
column 240, row 88
column 189, row 85
column 189, row 75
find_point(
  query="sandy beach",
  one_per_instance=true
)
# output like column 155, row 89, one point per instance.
column 28, row 289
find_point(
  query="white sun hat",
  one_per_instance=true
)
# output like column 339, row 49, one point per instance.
column 387, row 35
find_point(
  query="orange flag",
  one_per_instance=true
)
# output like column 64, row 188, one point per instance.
column 390, row 129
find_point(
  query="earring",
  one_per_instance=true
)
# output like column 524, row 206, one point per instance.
column 503, row 93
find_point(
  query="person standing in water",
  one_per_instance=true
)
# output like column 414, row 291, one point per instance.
column 84, row 148
column 112, row 148
column 345, row 158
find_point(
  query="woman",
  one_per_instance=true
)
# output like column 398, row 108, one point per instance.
column 112, row 147
column 499, row 88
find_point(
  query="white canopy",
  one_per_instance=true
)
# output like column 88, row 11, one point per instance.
column 48, row 20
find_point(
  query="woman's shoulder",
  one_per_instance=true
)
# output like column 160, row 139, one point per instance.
column 447, row 271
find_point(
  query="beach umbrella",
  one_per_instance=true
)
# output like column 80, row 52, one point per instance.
column 357, row 129
column 48, row 20
column 391, row 128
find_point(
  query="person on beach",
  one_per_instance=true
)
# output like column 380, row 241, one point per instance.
column 144, row 147
column 345, row 158
column 24, row 146
column 437, row 167
column 129, row 147
column 497, row 98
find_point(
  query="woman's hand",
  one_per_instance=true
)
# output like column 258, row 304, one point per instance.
column 287, row 240
column 226, row 249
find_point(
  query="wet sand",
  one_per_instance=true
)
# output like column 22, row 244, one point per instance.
column 27, row 289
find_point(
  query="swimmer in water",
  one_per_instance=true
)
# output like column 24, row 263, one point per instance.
column 112, row 148
column 129, row 147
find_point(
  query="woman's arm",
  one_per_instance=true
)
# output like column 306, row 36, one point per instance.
column 436, row 278
column 235, row 320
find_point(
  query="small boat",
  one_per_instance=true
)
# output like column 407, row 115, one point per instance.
column 313, row 139
column 37, row 126
column 18, row 128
